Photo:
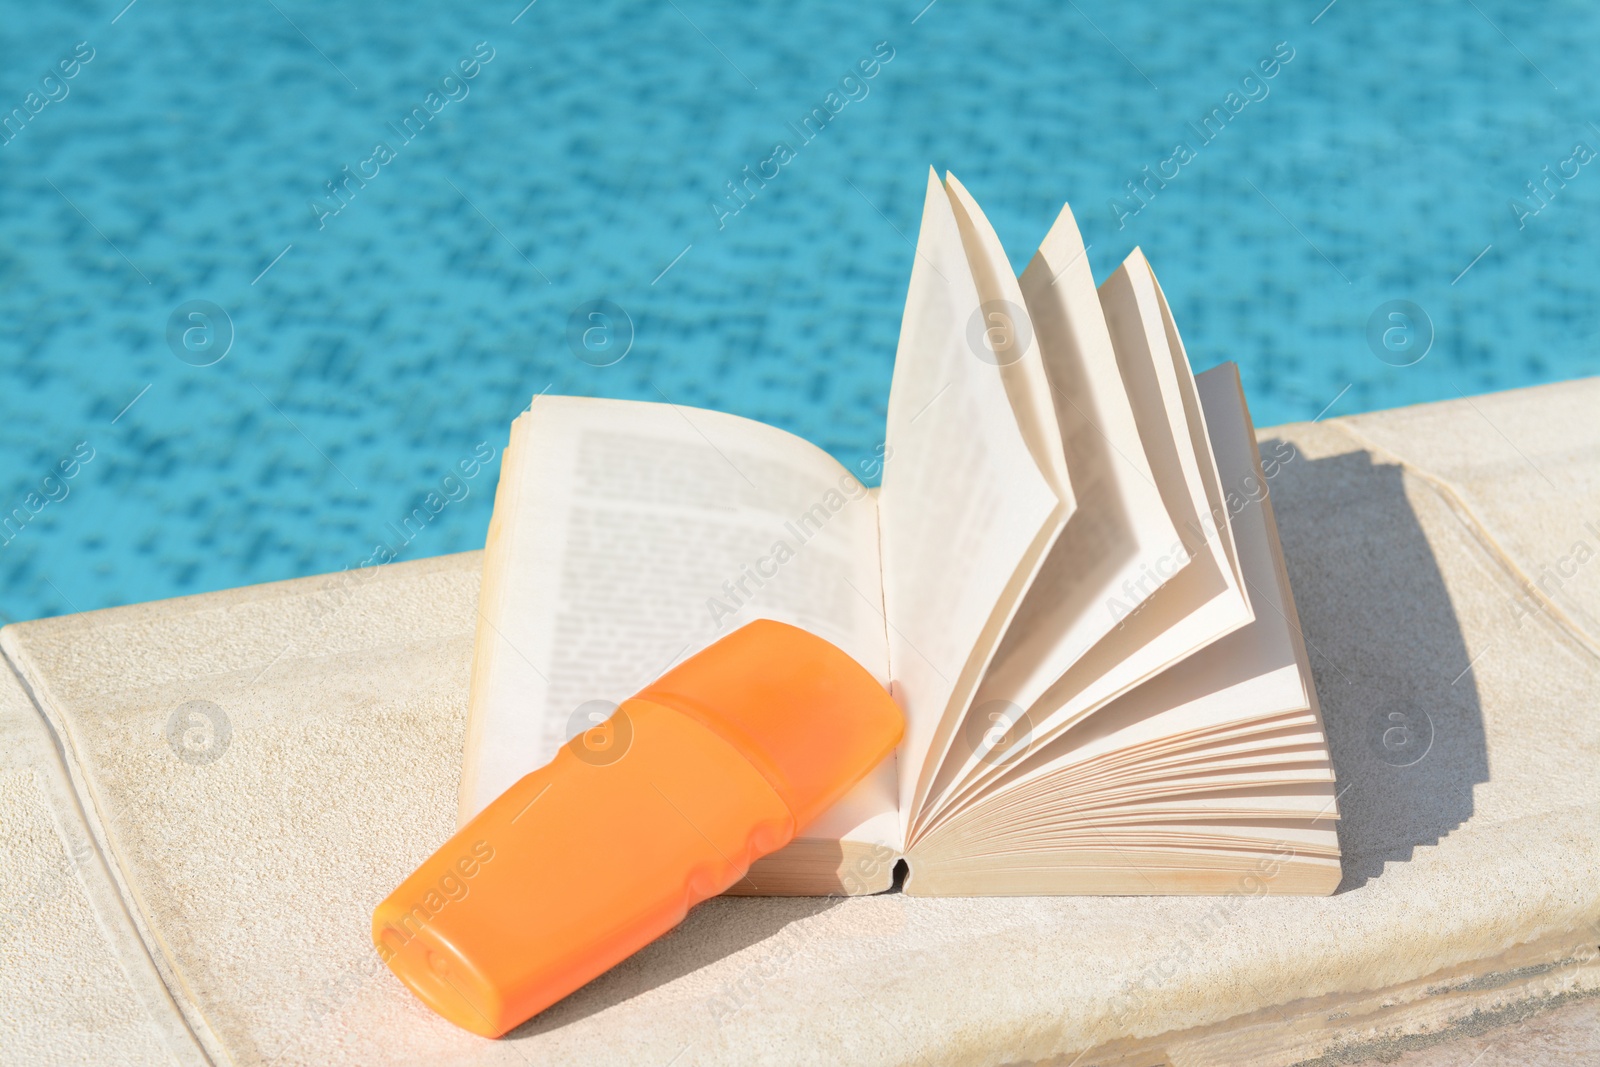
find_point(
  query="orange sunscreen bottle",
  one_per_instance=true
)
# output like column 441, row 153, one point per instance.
column 590, row 858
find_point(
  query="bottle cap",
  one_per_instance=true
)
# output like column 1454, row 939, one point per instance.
column 796, row 706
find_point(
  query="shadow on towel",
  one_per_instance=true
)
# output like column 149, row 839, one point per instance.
column 714, row 930
column 1404, row 723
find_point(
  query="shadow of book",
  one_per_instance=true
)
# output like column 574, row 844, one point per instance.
column 1404, row 724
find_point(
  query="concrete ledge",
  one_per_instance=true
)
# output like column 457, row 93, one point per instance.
column 1436, row 562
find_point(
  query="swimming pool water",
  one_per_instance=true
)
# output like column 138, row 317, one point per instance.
column 383, row 337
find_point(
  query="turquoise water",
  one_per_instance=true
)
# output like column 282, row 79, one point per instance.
column 378, row 352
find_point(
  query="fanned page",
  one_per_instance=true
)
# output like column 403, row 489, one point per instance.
column 1211, row 776
column 972, row 499
column 627, row 536
column 1117, row 546
column 1184, row 594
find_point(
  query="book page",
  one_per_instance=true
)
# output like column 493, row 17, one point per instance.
column 1166, row 406
column 1194, row 416
column 630, row 535
column 1195, row 607
column 966, row 512
column 1223, row 755
column 1118, row 545
column 1009, row 338
column 1254, row 674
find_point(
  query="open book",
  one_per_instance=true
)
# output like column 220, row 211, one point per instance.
column 1070, row 580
